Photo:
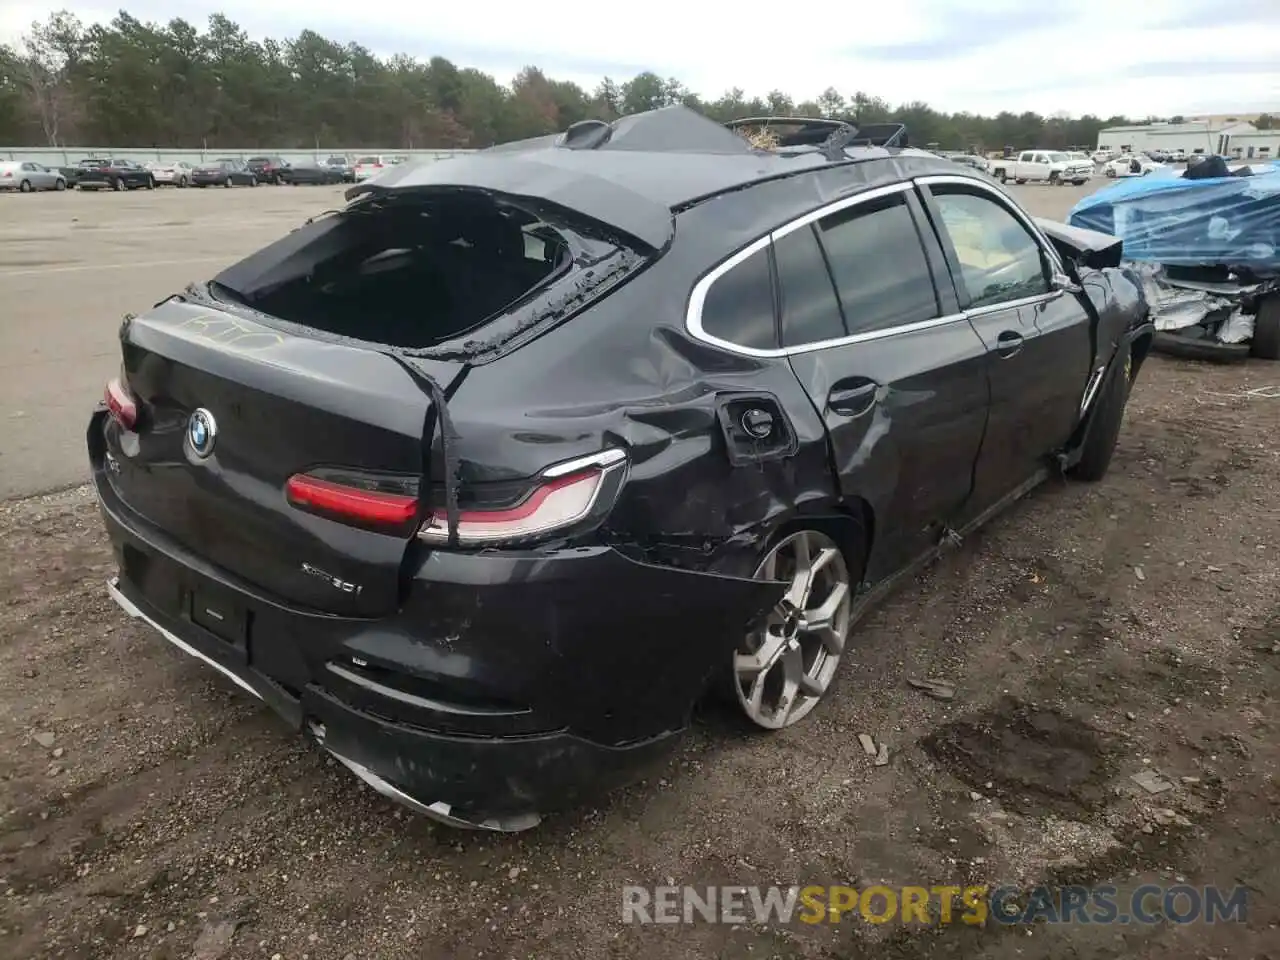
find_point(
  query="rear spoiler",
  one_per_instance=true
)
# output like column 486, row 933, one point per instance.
column 524, row 177
column 1089, row 248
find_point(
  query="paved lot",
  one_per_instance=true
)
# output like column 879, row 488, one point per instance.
column 72, row 264
column 148, row 809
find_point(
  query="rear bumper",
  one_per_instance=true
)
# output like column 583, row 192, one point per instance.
column 505, row 686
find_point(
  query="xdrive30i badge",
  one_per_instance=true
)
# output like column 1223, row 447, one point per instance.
column 202, row 431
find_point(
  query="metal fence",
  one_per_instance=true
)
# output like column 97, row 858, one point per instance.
column 69, row 156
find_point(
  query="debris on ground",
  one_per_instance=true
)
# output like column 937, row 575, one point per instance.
column 44, row 738
column 882, row 758
column 938, row 689
column 1152, row 782
column 868, row 744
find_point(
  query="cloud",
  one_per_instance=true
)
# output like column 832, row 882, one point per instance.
column 1087, row 56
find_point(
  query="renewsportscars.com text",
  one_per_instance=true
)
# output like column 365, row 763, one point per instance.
column 941, row 904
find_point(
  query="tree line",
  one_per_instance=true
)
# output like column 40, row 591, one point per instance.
column 130, row 84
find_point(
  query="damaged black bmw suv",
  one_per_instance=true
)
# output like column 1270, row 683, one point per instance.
column 484, row 479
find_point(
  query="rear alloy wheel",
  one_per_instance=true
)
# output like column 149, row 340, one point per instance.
column 151, row 183
column 227, row 183
column 182, row 182
column 782, row 670
column 59, row 184
column 253, row 181
column 118, row 185
column 25, row 186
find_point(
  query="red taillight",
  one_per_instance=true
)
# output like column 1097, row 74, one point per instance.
column 344, row 502
column 121, row 404
column 567, row 494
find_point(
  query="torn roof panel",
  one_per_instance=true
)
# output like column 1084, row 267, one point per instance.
column 633, row 175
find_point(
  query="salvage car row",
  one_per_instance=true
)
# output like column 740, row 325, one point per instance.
column 122, row 173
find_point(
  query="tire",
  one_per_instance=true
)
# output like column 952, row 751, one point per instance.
column 253, row 181
column 227, row 183
column 151, row 183
column 1002, row 176
column 1079, row 183
column 25, row 186
column 814, row 653
column 1054, row 179
column 118, row 185
column 1019, row 182
column 182, row 183
column 59, row 184
column 1266, row 329
column 1110, row 173
column 1104, row 429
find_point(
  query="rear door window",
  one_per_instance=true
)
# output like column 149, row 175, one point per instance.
column 810, row 310
column 738, row 307
column 878, row 263
column 1000, row 259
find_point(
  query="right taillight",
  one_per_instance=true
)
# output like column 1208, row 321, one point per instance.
column 564, row 496
column 121, row 403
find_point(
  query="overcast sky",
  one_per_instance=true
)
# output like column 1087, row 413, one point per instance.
column 1106, row 57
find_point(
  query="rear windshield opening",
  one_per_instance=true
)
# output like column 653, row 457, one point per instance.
column 406, row 271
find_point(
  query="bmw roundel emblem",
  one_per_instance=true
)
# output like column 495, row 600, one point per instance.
column 201, row 431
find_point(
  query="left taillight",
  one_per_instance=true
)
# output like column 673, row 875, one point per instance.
column 121, row 403
column 364, row 500
column 564, row 496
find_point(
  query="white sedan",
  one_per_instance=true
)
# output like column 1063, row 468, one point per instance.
column 176, row 173
column 1131, row 165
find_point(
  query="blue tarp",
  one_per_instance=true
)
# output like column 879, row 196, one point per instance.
column 1164, row 218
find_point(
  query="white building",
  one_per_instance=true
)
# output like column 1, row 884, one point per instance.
column 1226, row 137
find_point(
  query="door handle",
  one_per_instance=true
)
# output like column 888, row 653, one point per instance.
column 852, row 398
column 1008, row 343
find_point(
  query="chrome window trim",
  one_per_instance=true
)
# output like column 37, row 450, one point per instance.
column 693, row 315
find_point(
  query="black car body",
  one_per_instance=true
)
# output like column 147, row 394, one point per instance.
column 72, row 174
column 481, row 481
column 224, row 172
column 115, row 174
column 269, row 169
column 312, row 173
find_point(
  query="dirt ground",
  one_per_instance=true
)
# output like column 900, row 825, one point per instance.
column 149, row 809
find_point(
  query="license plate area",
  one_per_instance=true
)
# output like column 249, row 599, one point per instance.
column 217, row 612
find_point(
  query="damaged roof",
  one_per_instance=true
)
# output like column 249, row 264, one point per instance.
column 631, row 174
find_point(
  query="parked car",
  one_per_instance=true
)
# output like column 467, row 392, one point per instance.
column 174, row 173
column 370, row 166
column 344, row 164
column 1048, row 166
column 268, row 169
column 972, row 160
column 72, row 174
column 116, row 174
column 223, row 172
column 481, row 481
column 305, row 173
column 1131, row 165
column 27, row 176
column 1101, row 156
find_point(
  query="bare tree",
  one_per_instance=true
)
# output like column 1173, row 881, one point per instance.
column 47, row 55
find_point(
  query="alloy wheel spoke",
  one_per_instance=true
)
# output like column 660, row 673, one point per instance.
column 759, row 662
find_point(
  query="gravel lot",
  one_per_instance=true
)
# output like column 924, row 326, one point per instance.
column 149, row 809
